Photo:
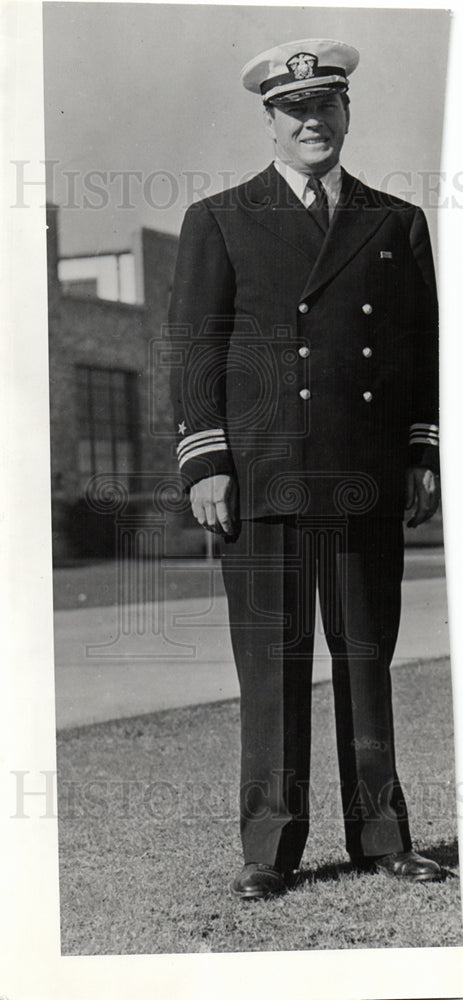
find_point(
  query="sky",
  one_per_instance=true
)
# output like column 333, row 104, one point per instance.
column 154, row 89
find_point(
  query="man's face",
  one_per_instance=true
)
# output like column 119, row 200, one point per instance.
column 309, row 134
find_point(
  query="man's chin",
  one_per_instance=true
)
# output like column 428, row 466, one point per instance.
column 321, row 163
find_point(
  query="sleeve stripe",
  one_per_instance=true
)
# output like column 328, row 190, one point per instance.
column 212, row 435
column 204, row 450
column 205, row 445
column 424, row 434
column 424, row 440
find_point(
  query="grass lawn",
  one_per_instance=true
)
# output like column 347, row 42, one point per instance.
column 149, row 836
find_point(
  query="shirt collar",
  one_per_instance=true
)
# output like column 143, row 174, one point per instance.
column 297, row 182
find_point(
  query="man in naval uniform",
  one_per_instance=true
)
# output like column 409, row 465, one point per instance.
column 304, row 372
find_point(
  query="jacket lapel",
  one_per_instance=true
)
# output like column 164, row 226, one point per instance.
column 359, row 213
column 273, row 205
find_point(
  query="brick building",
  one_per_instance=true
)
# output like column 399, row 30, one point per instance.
column 112, row 454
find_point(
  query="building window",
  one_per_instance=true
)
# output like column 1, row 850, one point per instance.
column 83, row 287
column 106, row 407
column 107, row 276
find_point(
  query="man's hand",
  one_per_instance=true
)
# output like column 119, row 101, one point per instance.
column 214, row 503
column 423, row 489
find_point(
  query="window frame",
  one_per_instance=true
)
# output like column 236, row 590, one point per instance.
column 87, row 426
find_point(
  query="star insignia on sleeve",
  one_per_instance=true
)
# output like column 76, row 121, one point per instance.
column 182, row 427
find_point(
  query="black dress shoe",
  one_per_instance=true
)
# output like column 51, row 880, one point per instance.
column 411, row 866
column 256, row 881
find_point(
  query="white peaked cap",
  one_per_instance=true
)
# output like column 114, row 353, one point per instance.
column 300, row 69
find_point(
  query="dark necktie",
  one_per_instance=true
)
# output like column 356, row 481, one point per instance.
column 319, row 207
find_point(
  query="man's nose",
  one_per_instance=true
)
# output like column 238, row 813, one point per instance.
column 312, row 119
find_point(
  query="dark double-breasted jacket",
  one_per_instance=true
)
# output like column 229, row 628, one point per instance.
column 305, row 363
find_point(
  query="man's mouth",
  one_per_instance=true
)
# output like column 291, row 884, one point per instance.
column 309, row 140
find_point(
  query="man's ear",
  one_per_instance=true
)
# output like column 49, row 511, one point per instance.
column 269, row 124
column 347, row 119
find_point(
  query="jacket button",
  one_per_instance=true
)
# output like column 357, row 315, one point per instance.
column 368, row 396
column 303, row 307
column 304, row 393
column 367, row 352
column 367, row 309
column 304, row 352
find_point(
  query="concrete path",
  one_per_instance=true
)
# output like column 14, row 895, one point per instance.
column 116, row 662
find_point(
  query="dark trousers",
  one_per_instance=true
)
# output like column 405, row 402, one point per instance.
column 271, row 573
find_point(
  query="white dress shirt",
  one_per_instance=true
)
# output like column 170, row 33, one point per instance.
column 298, row 183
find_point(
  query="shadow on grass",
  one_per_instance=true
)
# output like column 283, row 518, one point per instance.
column 446, row 855
column 326, row 873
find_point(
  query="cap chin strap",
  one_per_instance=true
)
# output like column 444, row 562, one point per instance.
column 293, row 96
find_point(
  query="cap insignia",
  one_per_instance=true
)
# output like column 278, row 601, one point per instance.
column 302, row 65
